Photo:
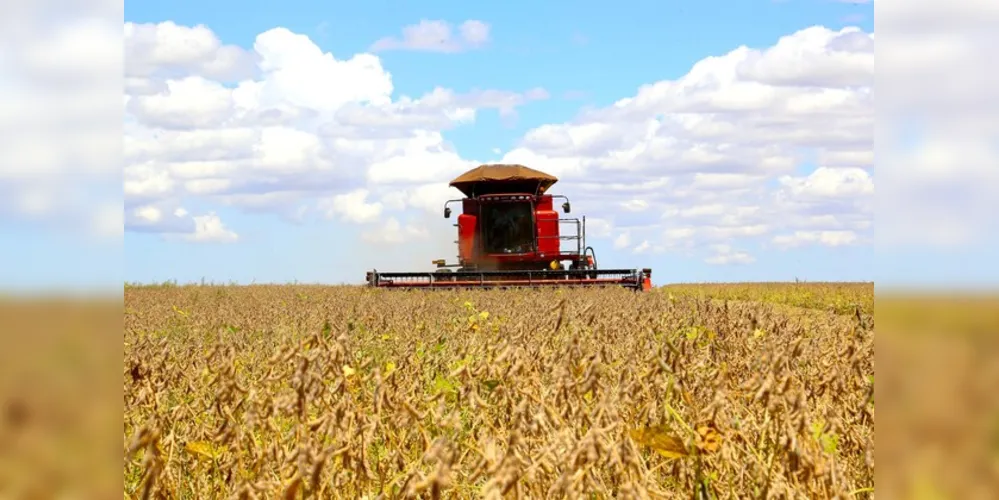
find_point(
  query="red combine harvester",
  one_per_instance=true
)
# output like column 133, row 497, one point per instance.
column 509, row 235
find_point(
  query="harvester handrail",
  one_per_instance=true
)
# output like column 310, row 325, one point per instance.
column 580, row 235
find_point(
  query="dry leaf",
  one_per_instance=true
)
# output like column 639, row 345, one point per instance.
column 661, row 440
column 203, row 449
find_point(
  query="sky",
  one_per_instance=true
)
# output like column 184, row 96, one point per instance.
column 312, row 142
column 709, row 141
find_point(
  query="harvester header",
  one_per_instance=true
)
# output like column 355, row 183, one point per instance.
column 509, row 235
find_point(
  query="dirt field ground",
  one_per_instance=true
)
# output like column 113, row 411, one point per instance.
column 728, row 391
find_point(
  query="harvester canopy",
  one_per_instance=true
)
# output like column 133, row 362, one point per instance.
column 502, row 178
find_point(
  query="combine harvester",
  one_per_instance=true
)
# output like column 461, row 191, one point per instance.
column 509, row 236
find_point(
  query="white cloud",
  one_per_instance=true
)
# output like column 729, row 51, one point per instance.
column 393, row 232
column 827, row 238
column 723, row 182
column 474, row 32
column 827, row 182
column 298, row 129
column 437, row 36
column 149, row 214
column 706, row 210
column 622, row 241
column 209, row 229
column 724, row 145
column 813, row 57
column 680, row 233
column 597, row 227
column 635, row 205
column 167, row 46
column 725, row 255
column 642, row 247
column 295, row 72
column 173, row 222
column 352, row 207
column 207, row 186
column 191, row 102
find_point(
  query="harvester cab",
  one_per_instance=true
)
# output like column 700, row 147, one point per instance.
column 510, row 235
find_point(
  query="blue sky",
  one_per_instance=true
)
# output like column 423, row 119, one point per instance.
column 586, row 55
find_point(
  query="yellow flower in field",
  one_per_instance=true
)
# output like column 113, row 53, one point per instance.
column 386, row 336
column 484, row 314
column 348, row 371
column 709, row 439
column 389, row 368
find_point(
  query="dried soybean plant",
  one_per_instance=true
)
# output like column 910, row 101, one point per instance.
column 342, row 392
